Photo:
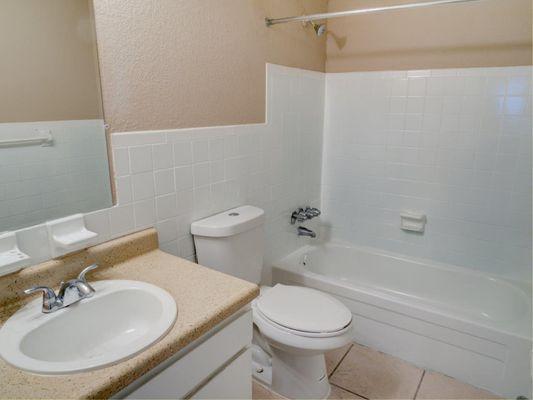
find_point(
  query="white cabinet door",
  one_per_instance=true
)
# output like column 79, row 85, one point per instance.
column 193, row 369
column 233, row 382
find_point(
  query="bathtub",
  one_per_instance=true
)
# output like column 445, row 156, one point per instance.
column 465, row 324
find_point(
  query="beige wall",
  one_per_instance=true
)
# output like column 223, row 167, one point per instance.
column 486, row 33
column 48, row 67
column 186, row 63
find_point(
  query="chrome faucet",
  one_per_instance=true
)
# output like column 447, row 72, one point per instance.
column 69, row 292
column 302, row 215
column 302, row 231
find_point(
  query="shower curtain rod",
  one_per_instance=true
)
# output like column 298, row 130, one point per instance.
column 314, row 17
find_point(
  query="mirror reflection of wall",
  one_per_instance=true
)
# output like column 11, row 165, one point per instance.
column 53, row 147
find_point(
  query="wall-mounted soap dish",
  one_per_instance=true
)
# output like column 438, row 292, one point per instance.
column 69, row 234
column 413, row 221
column 11, row 258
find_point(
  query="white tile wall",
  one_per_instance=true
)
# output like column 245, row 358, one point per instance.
column 39, row 183
column 168, row 179
column 454, row 144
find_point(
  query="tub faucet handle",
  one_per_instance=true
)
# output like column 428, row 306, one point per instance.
column 302, row 215
column 312, row 212
column 298, row 215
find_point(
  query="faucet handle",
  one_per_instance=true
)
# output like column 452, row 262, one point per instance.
column 82, row 274
column 50, row 300
column 298, row 215
column 47, row 292
column 312, row 212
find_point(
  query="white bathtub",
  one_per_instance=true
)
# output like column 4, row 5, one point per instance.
column 471, row 326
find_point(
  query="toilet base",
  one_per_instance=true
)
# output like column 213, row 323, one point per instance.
column 290, row 375
column 299, row 377
column 261, row 365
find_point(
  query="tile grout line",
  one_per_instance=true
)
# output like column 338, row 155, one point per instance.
column 277, row 395
column 335, row 369
column 349, row 391
column 340, row 361
column 419, row 384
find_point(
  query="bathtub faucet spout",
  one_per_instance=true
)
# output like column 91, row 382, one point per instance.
column 306, row 232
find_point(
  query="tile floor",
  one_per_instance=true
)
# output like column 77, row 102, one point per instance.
column 359, row 372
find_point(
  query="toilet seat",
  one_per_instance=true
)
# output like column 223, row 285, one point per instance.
column 303, row 311
column 274, row 325
column 298, row 342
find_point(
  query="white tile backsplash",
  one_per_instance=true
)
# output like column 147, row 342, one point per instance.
column 144, row 213
column 141, row 159
column 182, row 153
column 164, row 182
column 201, row 174
column 166, row 206
column 200, row 149
column 216, row 149
column 121, row 220
column 453, row 144
column 98, row 222
column 163, row 156
column 183, row 178
column 143, row 186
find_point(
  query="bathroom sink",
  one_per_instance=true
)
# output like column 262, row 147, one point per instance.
column 119, row 321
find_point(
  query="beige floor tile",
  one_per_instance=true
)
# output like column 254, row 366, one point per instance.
column 375, row 375
column 438, row 386
column 259, row 392
column 339, row 394
column 334, row 357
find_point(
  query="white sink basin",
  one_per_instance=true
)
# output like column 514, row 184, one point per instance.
column 119, row 321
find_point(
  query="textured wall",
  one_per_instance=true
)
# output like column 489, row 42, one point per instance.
column 480, row 34
column 454, row 144
column 49, row 69
column 181, row 63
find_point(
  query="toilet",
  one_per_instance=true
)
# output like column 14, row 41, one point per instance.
column 293, row 326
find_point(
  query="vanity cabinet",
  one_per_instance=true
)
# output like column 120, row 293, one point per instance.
column 217, row 365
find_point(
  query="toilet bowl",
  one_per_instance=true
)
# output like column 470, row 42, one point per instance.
column 293, row 326
column 299, row 325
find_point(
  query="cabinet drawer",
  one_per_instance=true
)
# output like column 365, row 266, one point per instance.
column 195, row 367
column 233, row 382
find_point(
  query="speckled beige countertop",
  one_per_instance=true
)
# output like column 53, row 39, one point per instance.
column 204, row 298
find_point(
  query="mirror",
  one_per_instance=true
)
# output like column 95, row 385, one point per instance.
column 53, row 146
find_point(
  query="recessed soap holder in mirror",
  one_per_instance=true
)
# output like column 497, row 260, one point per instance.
column 12, row 259
column 69, row 234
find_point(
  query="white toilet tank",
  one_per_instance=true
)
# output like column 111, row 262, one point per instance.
column 232, row 242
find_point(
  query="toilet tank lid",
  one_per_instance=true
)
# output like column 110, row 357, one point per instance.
column 229, row 223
